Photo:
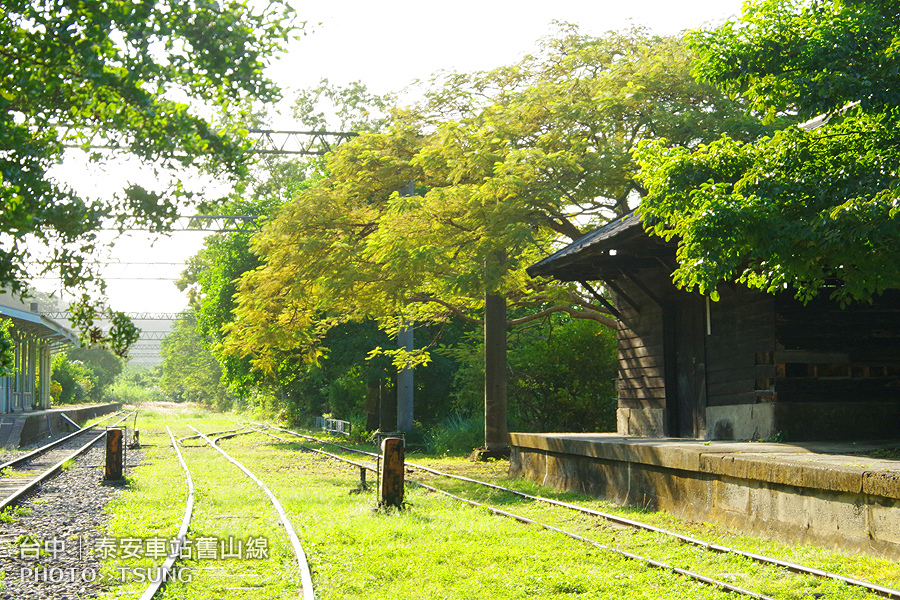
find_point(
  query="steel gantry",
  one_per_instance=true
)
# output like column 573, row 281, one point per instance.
column 305, row 143
column 264, row 141
column 134, row 316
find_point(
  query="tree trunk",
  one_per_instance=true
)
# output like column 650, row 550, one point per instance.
column 496, row 435
column 373, row 390
column 387, row 420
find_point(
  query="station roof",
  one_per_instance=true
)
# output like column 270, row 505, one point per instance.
column 39, row 326
column 619, row 245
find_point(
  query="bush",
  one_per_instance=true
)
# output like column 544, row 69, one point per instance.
column 562, row 376
column 104, row 366
column 564, row 379
column 75, row 380
column 129, row 392
column 456, row 435
column 56, row 391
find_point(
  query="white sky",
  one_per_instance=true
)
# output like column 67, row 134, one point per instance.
column 386, row 45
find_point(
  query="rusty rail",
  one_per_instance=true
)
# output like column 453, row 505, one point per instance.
column 302, row 563
column 159, row 583
column 880, row 590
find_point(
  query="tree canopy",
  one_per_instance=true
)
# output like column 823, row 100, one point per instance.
column 211, row 275
column 439, row 213
column 457, row 195
column 812, row 207
column 104, row 365
column 83, row 374
column 152, row 80
column 189, row 371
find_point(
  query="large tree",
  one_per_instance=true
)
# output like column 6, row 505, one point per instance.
column 440, row 214
column 814, row 207
column 149, row 80
column 189, row 370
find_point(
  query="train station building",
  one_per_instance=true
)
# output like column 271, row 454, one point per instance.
column 756, row 412
column 750, row 366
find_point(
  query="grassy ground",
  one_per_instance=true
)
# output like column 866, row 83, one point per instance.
column 891, row 453
column 435, row 548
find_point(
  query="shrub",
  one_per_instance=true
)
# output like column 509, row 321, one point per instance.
column 130, row 392
column 456, row 434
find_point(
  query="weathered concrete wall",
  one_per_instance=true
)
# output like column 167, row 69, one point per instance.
column 776, row 490
column 647, row 422
column 740, row 421
column 42, row 424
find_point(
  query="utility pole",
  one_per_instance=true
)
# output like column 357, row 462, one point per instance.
column 405, row 385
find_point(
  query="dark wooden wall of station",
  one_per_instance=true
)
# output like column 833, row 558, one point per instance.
column 641, row 349
column 829, row 354
column 760, row 348
column 739, row 348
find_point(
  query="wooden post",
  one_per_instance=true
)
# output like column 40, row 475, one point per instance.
column 392, row 472
column 114, row 454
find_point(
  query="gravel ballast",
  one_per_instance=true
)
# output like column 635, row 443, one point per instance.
column 49, row 552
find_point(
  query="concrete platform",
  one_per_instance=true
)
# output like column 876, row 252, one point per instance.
column 805, row 493
column 22, row 429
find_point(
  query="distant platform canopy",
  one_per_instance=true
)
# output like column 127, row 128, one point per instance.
column 36, row 339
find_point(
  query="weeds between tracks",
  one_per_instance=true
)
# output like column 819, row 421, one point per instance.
column 434, row 549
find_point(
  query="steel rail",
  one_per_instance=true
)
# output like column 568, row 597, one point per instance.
column 191, row 437
column 159, row 583
column 525, row 520
column 630, row 555
column 880, row 590
column 29, row 487
column 303, row 564
column 51, row 445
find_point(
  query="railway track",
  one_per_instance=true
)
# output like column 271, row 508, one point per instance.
column 168, row 566
column 166, row 570
column 615, row 521
column 24, row 474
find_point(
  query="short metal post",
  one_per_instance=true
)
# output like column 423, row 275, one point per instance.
column 114, row 454
column 362, row 479
column 392, row 472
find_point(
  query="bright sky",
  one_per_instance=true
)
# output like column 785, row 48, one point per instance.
column 386, row 45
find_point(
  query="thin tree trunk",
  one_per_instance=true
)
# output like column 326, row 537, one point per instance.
column 496, row 434
column 373, row 389
column 387, row 420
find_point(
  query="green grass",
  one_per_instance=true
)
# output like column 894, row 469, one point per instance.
column 9, row 514
column 436, row 547
column 889, row 453
column 227, row 505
